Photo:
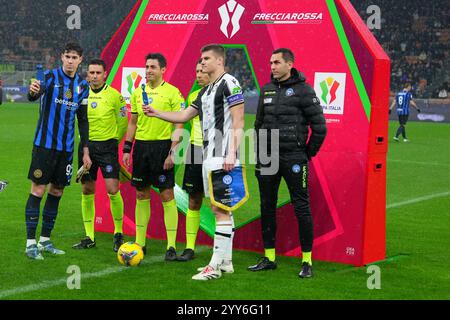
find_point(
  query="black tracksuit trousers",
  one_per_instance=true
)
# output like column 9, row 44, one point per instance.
column 293, row 167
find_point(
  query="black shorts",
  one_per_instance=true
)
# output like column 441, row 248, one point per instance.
column 50, row 166
column 148, row 164
column 193, row 179
column 104, row 155
column 403, row 119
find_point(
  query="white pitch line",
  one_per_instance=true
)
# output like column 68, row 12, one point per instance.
column 421, row 163
column 84, row 276
column 419, row 199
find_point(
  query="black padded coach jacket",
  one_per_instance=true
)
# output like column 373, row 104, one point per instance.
column 292, row 107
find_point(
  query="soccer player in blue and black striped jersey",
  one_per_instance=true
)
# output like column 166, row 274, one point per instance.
column 63, row 96
column 403, row 100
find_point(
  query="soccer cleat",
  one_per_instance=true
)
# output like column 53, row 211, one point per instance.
column 405, row 140
column 396, row 139
column 263, row 264
column 32, row 252
column 187, row 255
column 208, row 273
column 86, row 243
column 118, row 241
column 47, row 246
column 225, row 267
column 171, row 254
column 3, row 185
column 306, row 271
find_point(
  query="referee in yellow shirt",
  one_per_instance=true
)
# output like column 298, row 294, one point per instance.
column 107, row 116
column 153, row 162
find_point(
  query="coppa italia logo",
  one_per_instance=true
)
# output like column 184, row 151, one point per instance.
column 330, row 88
column 133, row 81
column 230, row 11
column 132, row 78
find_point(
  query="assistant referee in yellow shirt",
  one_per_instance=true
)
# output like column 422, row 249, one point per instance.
column 153, row 162
column 107, row 116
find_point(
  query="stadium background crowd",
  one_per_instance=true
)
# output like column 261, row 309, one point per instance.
column 414, row 35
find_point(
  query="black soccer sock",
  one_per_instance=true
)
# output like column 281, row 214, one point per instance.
column 49, row 215
column 32, row 215
column 404, row 132
column 399, row 130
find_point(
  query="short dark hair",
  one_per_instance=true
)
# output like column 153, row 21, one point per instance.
column 157, row 56
column 287, row 54
column 98, row 62
column 216, row 48
column 73, row 46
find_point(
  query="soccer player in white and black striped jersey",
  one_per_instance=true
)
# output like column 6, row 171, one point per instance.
column 221, row 109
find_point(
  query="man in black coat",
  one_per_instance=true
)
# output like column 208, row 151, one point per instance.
column 288, row 107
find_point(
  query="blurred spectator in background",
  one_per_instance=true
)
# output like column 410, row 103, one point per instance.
column 238, row 66
column 1, row 91
column 416, row 38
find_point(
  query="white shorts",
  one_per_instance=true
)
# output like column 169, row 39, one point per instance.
column 211, row 164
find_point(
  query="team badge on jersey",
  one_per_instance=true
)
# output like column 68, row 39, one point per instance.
column 94, row 105
column 296, row 168
column 236, row 90
column 123, row 111
column 162, row 178
column 289, row 92
column 37, row 173
column 69, row 94
column 109, row 168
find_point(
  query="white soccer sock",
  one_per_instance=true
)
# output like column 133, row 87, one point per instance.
column 43, row 239
column 30, row 242
column 222, row 239
column 229, row 252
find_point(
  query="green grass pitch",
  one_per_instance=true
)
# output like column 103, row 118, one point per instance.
column 418, row 216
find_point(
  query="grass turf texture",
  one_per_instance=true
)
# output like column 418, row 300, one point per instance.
column 417, row 238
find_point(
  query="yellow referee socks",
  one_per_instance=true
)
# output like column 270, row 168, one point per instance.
column 88, row 213
column 142, row 214
column 192, row 226
column 307, row 257
column 171, row 222
column 270, row 254
column 116, row 204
